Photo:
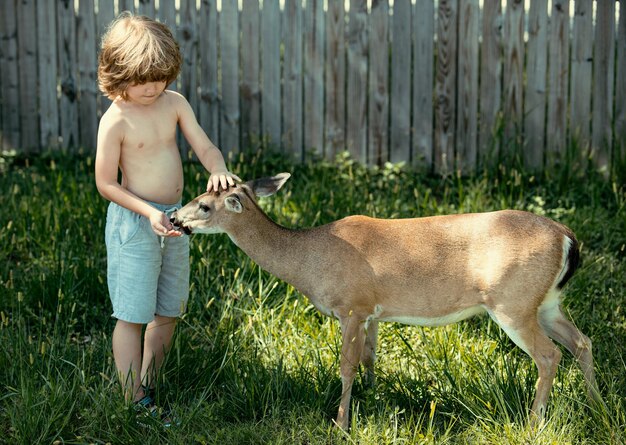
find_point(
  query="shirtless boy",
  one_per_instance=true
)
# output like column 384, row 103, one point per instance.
column 148, row 261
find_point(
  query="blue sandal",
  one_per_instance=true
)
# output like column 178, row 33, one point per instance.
column 146, row 407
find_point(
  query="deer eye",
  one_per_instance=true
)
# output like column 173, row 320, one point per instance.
column 205, row 208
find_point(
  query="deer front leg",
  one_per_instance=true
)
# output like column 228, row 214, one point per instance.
column 353, row 338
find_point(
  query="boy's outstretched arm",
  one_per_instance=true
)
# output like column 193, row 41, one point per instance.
column 208, row 154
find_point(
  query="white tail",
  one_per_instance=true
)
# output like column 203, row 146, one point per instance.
column 423, row 271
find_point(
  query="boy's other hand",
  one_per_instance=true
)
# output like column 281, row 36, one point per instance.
column 161, row 224
column 222, row 179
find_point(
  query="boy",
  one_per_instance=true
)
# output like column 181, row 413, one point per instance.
column 148, row 261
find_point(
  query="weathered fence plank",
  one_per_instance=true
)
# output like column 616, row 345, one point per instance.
column 400, row 131
column 314, row 76
column 467, row 101
column 513, row 75
column 620, row 93
column 167, row 13
column 127, row 5
column 423, row 77
column 9, row 79
column 187, row 36
column 229, row 48
column 445, row 87
column 68, row 107
column 47, row 60
column 87, row 79
column 292, row 83
column 378, row 107
column 27, row 53
column 558, row 81
column 208, row 115
column 536, row 93
column 356, row 101
column 147, row 8
column 335, row 76
column 602, row 111
column 490, row 82
column 581, row 65
column 250, row 88
column 270, row 74
column 106, row 14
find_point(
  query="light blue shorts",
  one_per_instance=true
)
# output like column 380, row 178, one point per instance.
column 147, row 274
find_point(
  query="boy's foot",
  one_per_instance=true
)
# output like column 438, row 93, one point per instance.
column 146, row 407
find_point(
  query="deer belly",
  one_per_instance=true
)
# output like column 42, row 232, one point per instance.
column 429, row 321
column 324, row 309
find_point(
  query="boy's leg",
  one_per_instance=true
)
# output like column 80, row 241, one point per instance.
column 127, row 356
column 172, row 295
column 157, row 341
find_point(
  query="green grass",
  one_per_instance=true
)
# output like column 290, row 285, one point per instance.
column 252, row 361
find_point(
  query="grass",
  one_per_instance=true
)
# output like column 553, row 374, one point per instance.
column 252, row 361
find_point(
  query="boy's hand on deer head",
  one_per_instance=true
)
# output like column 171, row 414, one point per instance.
column 223, row 179
column 161, row 224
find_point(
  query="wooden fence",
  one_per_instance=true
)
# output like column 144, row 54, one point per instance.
column 447, row 84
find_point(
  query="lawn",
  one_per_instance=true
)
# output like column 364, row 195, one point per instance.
column 253, row 361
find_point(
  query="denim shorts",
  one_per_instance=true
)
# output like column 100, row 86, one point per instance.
column 147, row 274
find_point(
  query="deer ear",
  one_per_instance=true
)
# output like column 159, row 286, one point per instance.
column 233, row 204
column 269, row 186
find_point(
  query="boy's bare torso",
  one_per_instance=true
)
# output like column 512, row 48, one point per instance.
column 149, row 158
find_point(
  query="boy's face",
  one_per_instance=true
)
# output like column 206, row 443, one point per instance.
column 145, row 93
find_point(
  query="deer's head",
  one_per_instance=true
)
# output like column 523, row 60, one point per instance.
column 210, row 211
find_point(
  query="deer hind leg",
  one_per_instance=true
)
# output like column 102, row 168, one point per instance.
column 368, row 355
column 353, row 339
column 530, row 336
column 559, row 328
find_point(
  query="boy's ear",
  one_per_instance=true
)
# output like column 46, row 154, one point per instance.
column 268, row 186
column 233, row 204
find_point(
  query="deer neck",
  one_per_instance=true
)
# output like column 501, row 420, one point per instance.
column 273, row 247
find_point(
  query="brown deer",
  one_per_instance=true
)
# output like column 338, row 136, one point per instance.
column 428, row 271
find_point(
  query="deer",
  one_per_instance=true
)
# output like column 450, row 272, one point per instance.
column 426, row 271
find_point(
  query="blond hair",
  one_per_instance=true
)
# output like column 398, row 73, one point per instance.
column 136, row 50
